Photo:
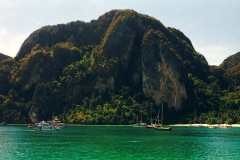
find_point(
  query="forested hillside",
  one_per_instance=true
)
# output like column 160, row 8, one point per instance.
column 112, row 70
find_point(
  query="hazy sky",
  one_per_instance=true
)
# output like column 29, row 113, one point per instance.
column 213, row 26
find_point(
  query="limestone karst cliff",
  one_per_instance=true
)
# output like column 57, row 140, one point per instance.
column 65, row 63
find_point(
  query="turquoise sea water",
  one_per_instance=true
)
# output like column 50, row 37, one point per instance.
column 118, row 142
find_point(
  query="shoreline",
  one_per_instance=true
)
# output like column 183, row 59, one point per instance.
column 172, row 125
column 202, row 125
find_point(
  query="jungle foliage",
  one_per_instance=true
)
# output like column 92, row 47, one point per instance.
column 57, row 66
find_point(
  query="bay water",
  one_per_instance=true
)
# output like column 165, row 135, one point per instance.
column 18, row 142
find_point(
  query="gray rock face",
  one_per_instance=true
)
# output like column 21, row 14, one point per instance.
column 158, row 69
column 161, row 72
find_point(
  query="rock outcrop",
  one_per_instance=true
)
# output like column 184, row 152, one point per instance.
column 127, row 49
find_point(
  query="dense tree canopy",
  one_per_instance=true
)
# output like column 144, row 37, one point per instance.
column 90, row 73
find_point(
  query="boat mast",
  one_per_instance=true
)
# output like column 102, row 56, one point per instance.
column 3, row 114
column 162, row 115
column 194, row 119
column 151, row 114
column 137, row 119
column 221, row 118
column 157, row 119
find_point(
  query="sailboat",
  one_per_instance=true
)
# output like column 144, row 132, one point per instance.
column 194, row 119
column 3, row 123
column 151, row 125
column 224, row 126
column 140, row 124
column 156, row 124
column 161, row 127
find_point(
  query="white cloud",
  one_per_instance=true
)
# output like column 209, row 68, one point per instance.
column 10, row 45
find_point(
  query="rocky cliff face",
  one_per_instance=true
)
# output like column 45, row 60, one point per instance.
column 162, row 71
column 140, row 50
column 157, row 65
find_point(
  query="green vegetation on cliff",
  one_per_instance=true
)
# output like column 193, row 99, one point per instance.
column 112, row 70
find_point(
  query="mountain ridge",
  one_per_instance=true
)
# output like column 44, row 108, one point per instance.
column 120, row 64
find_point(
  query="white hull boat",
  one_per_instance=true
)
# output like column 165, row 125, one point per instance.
column 44, row 126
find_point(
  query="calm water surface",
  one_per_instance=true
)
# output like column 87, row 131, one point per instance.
column 118, row 142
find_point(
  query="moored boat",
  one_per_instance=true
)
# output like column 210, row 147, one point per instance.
column 194, row 120
column 44, row 126
column 161, row 127
column 225, row 126
column 156, row 124
column 3, row 124
column 49, row 125
column 211, row 126
column 152, row 125
column 3, row 116
column 140, row 124
column 57, row 122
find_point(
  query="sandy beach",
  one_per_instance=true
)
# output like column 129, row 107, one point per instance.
column 203, row 125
